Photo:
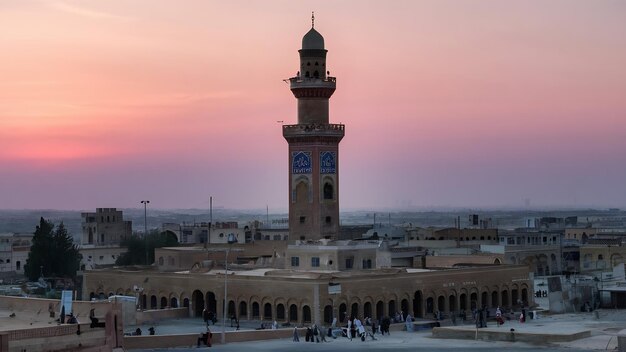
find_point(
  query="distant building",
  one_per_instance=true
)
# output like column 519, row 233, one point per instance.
column 105, row 227
column 14, row 249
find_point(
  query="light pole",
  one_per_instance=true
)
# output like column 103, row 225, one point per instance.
column 231, row 240
column 145, row 225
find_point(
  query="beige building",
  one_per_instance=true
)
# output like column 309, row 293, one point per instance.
column 318, row 296
column 105, row 227
column 601, row 257
column 14, row 249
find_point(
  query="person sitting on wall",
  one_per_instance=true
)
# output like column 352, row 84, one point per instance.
column 205, row 338
column 94, row 321
column 72, row 319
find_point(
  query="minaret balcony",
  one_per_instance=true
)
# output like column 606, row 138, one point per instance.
column 324, row 129
column 312, row 82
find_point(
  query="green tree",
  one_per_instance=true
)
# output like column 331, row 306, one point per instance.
column 52, row 253
column 136, row 253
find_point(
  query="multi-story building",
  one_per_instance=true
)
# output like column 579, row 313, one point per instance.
column 105, row 227
column 14, row 249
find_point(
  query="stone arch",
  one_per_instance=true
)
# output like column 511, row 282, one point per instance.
column 153, row 302
column 211, row 301
column 255, row 307
column 367, row 309
column 293, row 313
column 306, row 314
column 184, row 296
column 197, row 302
column 328, row 314
column 504, row 296
column 463, row 296
column 267, row 311
column 418, row 304
column 452, row 302
column 343, row 312
column 328, row 188
column 232, row 309
column 495, row 297
column 484, row 297
column 430, row 305
column 302, row 190
column 616, row 259
column 243, row 309
column 380, row 309
column 514, row 294
column 354, row 310
column 404, row 307
column 173, row 301
column 525, row 297
column 441, row 302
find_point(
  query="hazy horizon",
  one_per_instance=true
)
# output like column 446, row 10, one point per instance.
column 447, row 104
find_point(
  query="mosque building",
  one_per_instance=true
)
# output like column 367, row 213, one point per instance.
column 313, row 277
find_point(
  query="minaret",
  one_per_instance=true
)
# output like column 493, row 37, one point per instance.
column 313, row 147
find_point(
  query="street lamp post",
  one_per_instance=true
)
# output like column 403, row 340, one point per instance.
column 231, row 240
column 145, row 225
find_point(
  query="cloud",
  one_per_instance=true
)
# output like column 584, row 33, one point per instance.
column 85, row 12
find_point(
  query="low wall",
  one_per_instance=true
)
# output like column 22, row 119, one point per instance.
column 507, row 335
column 183, row 340
column 19, row 336
column 55, row 337
column 150, row 316
column 41, row 305
column 621, row 341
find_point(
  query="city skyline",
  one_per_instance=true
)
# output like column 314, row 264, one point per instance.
column 446, row 104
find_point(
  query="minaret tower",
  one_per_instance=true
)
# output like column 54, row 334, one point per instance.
column 313, row 147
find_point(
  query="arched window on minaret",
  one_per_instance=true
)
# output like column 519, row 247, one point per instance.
column 316, row 74
column 307, row 75
column 302, row 192
column 328, row 191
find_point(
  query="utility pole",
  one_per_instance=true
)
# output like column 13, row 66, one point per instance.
column 145, row 226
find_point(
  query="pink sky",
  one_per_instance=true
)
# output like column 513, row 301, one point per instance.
column 446, row 103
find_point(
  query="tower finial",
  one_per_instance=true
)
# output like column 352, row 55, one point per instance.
column 312, row 19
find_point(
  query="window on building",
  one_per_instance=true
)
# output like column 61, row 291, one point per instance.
column 302, row 219
column 295, row 261
column 328, row 220
column 315, row 262
column 328, row 191
column 367, row 263
column 101, row 257
column 349, row 263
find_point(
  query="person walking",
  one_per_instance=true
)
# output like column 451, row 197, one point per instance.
column 205, row 316
column 296, row 337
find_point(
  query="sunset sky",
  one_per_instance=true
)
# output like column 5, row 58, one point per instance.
column 446, row 103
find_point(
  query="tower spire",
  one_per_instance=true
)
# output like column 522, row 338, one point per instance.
column 312, row 19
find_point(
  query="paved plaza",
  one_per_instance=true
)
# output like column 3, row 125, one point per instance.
column 604, row 329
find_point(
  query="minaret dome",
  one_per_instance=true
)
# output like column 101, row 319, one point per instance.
column 313, row 40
